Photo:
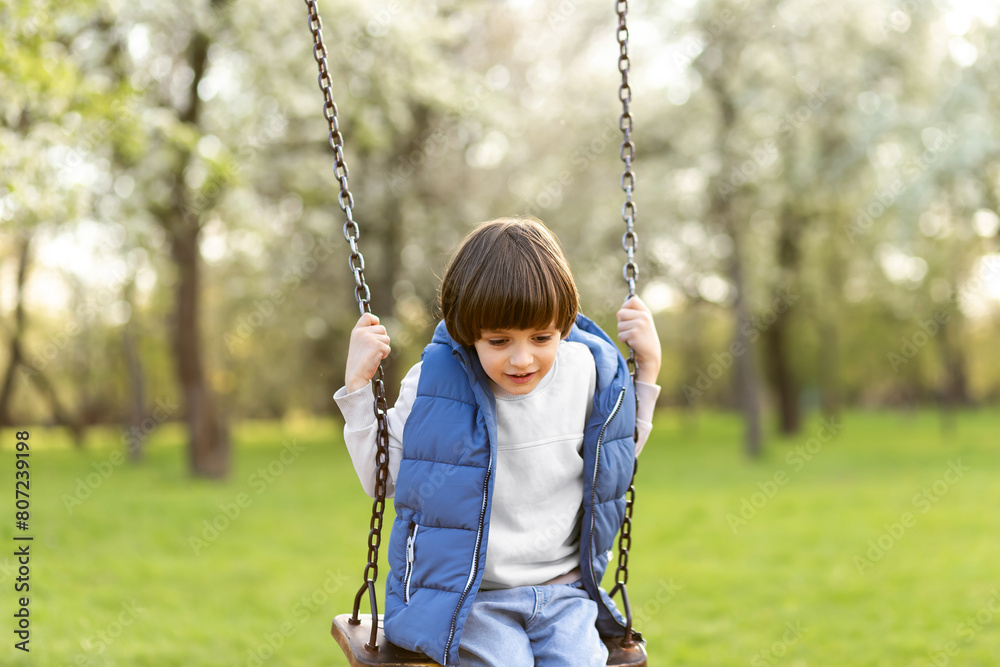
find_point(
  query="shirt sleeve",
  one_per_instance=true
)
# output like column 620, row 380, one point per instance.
column 361, row 430
column 647, row 394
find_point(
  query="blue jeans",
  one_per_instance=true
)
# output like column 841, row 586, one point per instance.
column 544, row 626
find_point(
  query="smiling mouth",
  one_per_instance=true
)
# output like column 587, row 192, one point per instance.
column 520, row 378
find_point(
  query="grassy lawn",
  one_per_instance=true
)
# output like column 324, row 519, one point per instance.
column 881, row 548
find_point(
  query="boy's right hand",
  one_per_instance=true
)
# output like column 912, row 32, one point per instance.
column 369, row 346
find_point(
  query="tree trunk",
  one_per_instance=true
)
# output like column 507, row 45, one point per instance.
column 208, row 445
column 722, row 211
column 747, row 378
column 137, row 381
column 382, row 302
column 827, row 317
column 389, row 237
column 59, row 415
column 956, row 381
column 955, row 390
column 828, row 364
column 7, row 392
column 778, row 367
column 208, row 434
column 777, row 335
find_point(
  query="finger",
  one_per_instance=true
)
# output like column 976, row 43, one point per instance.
column 632, row 313
column 377, row 354
column 366, row 333
column 633, row 303
column 628, row 315
column 631, row 323
column 367, row 319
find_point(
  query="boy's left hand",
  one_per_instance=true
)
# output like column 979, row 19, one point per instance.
column 636, row 329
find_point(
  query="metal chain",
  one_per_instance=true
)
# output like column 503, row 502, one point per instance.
column 631, row 273
column 362, row 294
column 627, row 152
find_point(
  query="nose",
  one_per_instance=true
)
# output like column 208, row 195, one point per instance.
column 521, row 356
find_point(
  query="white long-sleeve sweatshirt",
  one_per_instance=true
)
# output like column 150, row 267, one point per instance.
column 534, row 535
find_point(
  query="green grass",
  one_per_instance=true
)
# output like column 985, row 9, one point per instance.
column 702, row 593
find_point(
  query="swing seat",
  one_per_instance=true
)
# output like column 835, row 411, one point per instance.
column 352, row 639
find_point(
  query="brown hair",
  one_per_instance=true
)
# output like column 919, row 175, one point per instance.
column 508, row 273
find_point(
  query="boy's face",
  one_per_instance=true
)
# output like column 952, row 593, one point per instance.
column 516, row 359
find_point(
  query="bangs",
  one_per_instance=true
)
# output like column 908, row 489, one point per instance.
column 517, row 294
column 508, row 274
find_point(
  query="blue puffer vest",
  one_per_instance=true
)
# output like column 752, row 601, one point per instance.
column 445, row 485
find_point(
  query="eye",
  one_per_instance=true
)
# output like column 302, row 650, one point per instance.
column 496, row 342
column 545, row 338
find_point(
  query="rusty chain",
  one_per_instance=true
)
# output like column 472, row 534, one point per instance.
column 362, row 294
column 631, row 273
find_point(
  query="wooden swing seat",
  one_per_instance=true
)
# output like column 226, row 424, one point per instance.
column 352, row 639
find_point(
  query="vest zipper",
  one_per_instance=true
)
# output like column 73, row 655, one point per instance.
column 475, row 563
column 479, row 540
column 411, row 540
column 593, row 493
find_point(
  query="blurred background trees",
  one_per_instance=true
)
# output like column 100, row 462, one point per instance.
column 818, row 187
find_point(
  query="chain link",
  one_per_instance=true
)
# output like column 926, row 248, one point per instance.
column 630, row 272
column 352, row 232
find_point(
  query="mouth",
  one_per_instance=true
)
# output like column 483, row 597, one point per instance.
column 520, row 378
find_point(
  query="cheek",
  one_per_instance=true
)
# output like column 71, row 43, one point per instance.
column 490, row 361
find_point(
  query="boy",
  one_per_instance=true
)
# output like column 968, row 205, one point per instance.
column 510, row 451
